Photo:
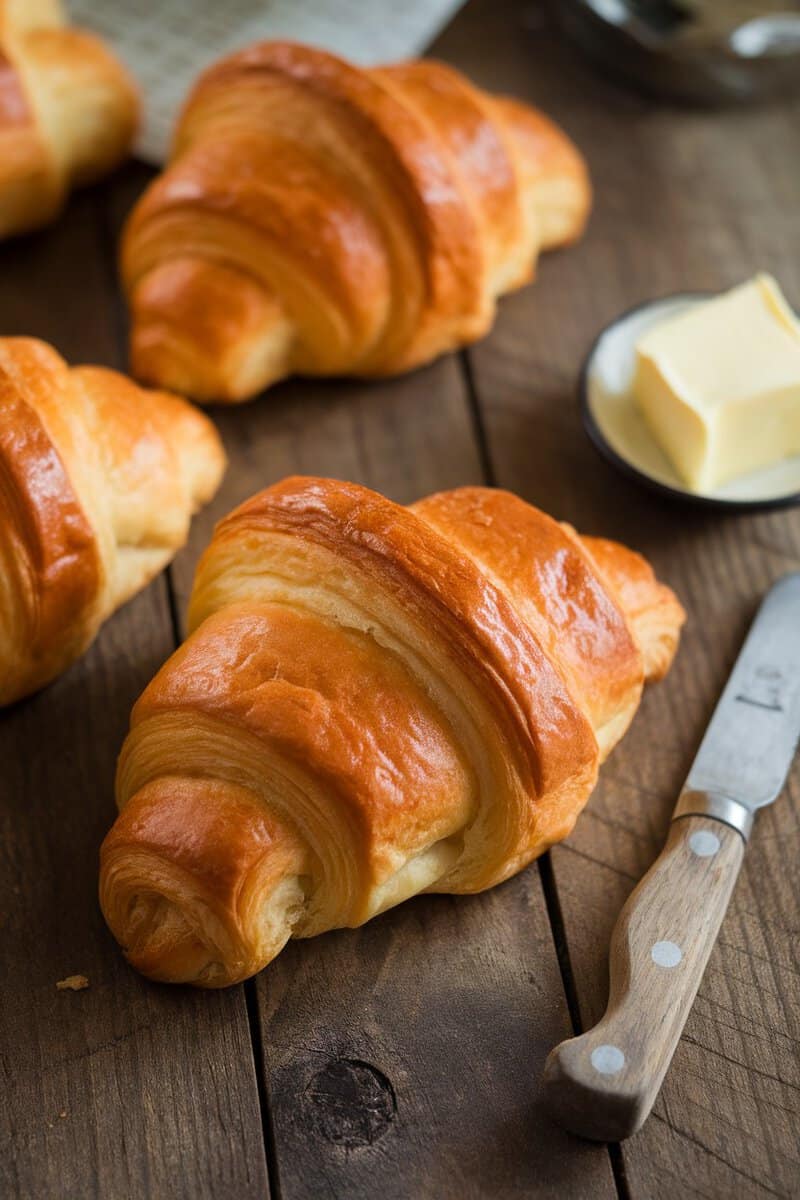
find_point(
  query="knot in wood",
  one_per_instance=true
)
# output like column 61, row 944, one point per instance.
column 350, row 1103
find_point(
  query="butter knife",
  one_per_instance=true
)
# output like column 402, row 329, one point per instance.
column 602, row 1084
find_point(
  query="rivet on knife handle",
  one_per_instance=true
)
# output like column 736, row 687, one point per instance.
column 602, row 1084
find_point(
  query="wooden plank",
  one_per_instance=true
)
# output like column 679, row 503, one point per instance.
column 423, row 1039
column 684, row 200
column 123, row 1089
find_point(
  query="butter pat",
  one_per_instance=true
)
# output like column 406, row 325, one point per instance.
column 719, row 385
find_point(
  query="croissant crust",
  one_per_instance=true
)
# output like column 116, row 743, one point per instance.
column 68, row 112
column 373, row 701
column 98, row 480
column 320, row 218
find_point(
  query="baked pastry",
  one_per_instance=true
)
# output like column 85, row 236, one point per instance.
column 319, row 218
column 68, row 112
column 98, row 480
column 374, row 701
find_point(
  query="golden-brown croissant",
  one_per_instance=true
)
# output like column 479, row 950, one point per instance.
column 323, row 219
column 98, row 480
column 68, row 112
column 374, row 701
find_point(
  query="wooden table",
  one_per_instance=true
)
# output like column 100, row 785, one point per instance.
column 402, row 1060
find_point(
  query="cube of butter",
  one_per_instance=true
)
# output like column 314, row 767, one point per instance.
column 719, row 385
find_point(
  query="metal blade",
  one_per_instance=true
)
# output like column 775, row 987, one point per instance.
column 750, row 743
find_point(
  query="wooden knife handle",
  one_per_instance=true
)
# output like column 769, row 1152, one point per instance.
column 602, row 1084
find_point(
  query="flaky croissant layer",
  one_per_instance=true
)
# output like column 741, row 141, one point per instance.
column 373, row 701
column 98, row 481
column 319, row 218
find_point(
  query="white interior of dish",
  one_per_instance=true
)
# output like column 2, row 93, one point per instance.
column 608, row 383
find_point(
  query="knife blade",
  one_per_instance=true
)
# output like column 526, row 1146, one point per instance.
column 751, row 739
column 603, row 1084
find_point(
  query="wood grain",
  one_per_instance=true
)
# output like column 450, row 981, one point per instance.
column 684, row 200
column 447, row 1005
column 122, row 1089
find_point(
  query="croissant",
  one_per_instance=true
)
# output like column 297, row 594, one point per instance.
column 374, row 701
column 68, row 112
column 323, row 219
column 98, row 479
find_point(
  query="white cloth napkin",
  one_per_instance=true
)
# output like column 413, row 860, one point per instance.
column 166, row 43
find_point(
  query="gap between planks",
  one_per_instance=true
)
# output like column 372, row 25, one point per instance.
column 262, row 1084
